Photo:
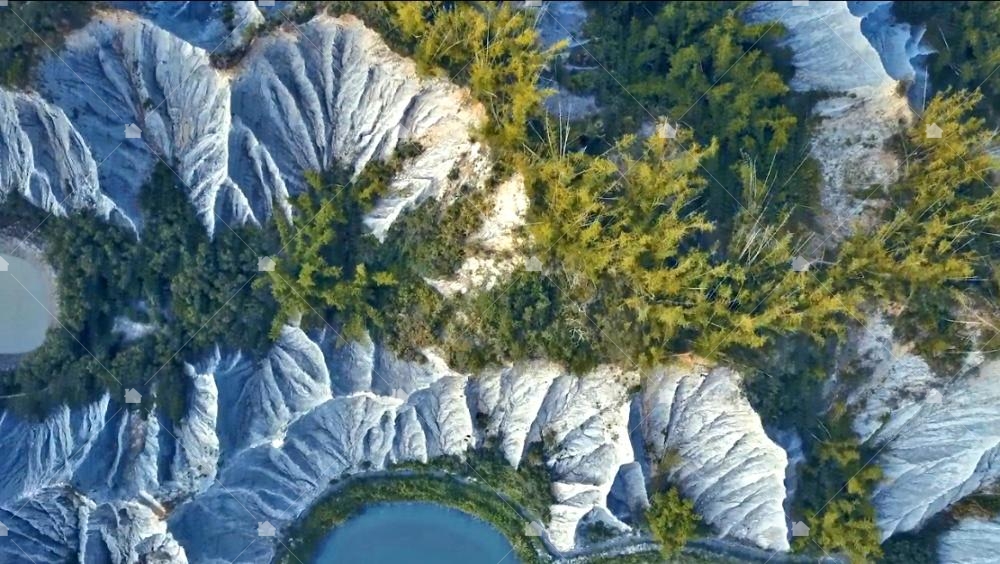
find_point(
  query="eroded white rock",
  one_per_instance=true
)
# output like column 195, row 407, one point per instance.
column 196, row 451
column 973, row 541
column 510, row 400
column 46, row 161
column 264, row 437
column 239, row 141
column 704, row 435
column 496, row 246
column 583, row 427
column 831, row 55
column 937, row 449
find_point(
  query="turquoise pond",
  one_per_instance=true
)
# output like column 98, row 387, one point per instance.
column 415, row 533
column 23, row 317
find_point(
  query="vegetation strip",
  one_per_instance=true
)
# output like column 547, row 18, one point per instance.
column 672, row 245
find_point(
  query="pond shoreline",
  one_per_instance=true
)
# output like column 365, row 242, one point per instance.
column 305, row 535
column 424, row 531
column 20, row 243
column 300, row 543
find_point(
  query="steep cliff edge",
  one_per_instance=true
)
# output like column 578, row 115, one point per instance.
column 937, row 436
column 694, row 415
column 263, row 440
column 329, row 91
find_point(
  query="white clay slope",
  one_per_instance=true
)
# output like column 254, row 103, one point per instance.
column 705, row 436
column 240, row 140
column 262, row 439
column 938, row 437
column 831, row 55
column 283, row 435
column 973, row 541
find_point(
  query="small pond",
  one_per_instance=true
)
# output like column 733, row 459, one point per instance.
column 415, row 533
column 23, row 320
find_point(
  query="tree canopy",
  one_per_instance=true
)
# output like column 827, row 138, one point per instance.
column 672, row 520
column 699, row 64
column 194, row 292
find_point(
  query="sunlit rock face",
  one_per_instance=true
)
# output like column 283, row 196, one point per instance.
column 973, row 541
column 702, row 432
column 938, row 436
column 202, row 24
column 410, row 411
column 239, row 140
column 196, row 445
column 50, row 451
column 44, row 159
column 829, row 51
column 901, row 47
column 335, row 93
column 583, row 426
column 122, row 70
column 511, row 399
column 98, row 505
column 45, row 527
column 940, row 452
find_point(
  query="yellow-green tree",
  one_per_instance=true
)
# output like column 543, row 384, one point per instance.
column 622, row 230
column 322, row 271
column 493, row 49
column 626, row 231
column 844, row 520
column 672, row 520
column 756, row 294
column 936, row 241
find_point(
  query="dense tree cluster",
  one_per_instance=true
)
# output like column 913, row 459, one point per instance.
column 649, row 248
column 836, row 505
column 699, row 65
column 324, row 268
column 672, row 520
column 195, row 291
column 625, row 232
column 492, row 49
